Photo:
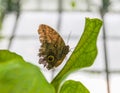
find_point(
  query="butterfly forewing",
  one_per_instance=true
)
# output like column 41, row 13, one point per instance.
column 53, row 49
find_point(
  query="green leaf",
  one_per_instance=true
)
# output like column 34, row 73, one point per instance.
column 18, row 76
column 84, row 53
column 71, row 86
column 73, row 3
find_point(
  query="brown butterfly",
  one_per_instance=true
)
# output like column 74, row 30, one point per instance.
column 53, row 49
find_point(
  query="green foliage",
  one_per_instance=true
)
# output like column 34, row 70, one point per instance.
column 18, row 76
column 73, row 3
column 105, row 4
column 84, row 53
column 71, row 86
column 7, row 6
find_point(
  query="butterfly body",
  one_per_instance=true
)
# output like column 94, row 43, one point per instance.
column 53, row 49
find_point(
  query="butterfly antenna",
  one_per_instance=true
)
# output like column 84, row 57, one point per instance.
column 68, row 41
column 68, row 37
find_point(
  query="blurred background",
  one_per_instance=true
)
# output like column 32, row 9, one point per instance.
column 20, row 19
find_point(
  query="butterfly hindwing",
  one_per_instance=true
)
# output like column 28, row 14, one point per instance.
column 53, row 49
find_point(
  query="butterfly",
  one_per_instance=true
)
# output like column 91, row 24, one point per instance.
column 53, row 49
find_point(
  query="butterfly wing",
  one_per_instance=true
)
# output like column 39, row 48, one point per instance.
column 53, row 47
